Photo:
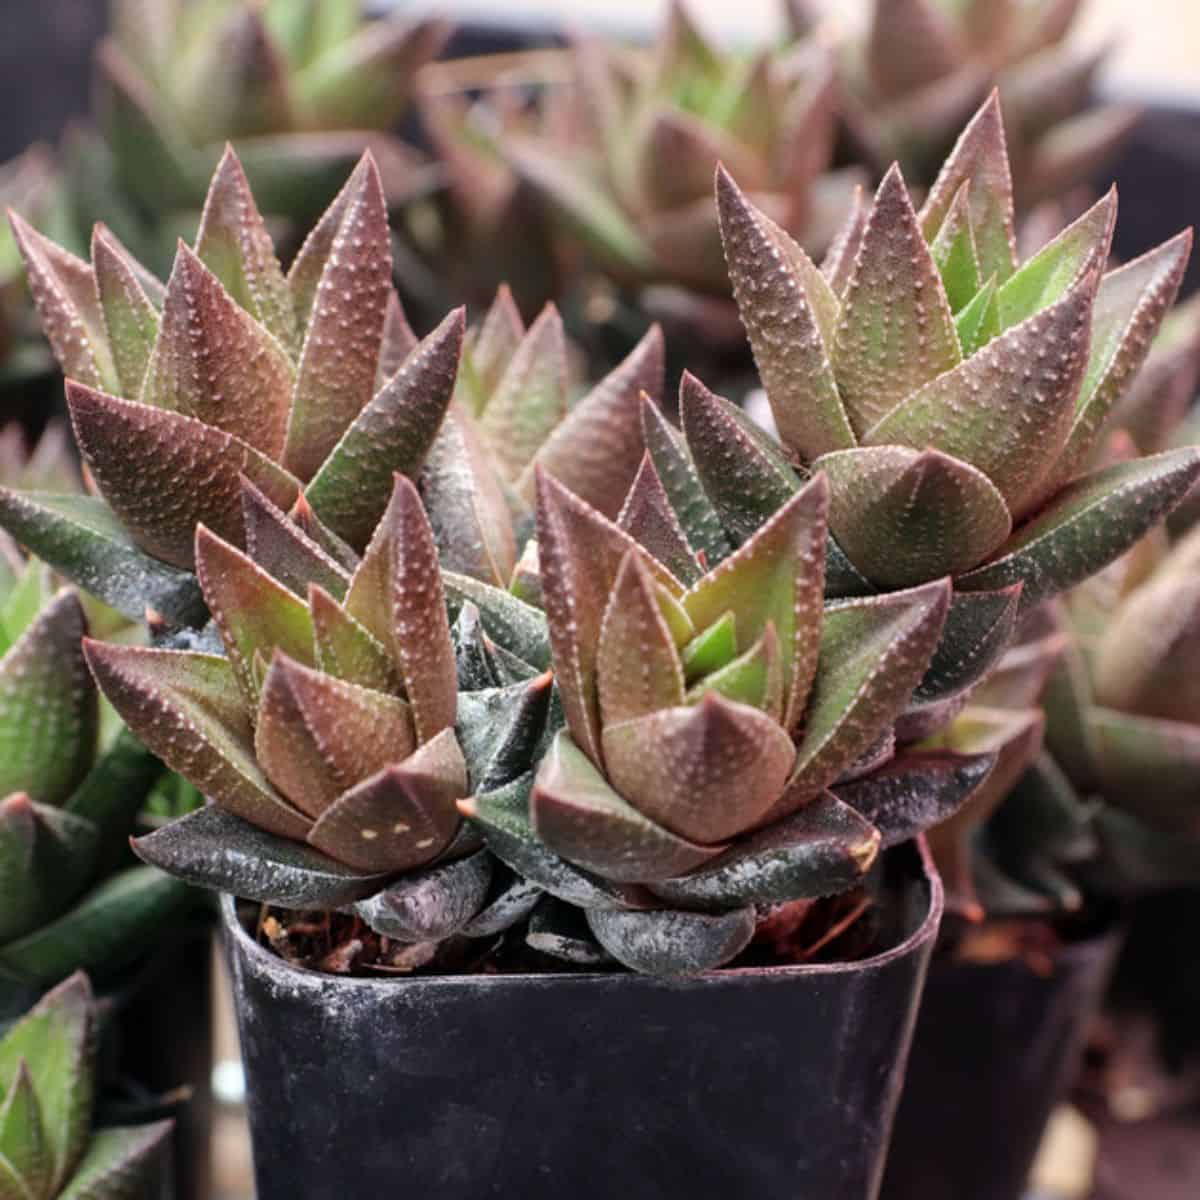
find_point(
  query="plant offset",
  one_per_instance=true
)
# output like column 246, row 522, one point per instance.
column 664, row 683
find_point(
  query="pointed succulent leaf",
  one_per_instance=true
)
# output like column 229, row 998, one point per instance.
column 789, row 312
column 979, row 320
column 825, row 848
column 22, row 1142
column 895, row 332
column 595, row 450
column 874, row 652
column 81, row 539
column 503, row 816
column 954, row 252
column 672, row 942
column 915, row 791
column 1089, row 524
column 511, row 900
column 119, row 1162
column 344, row 319
column 397, row 594
column 579, row 816
column 467, row 505
column 56, row 1041
column 430, row 905
column 488, row 350
column 234, row 244
column 398, row 342
column 648, row 518
column 280, row 547
column 140, row 454
column 318, row 736
column 838, row 262
column 1048, row 275
column 905, row 516
column 513, row 624
column 130, row 319
column 754, row 678
column 500, row 729
column 188, row 709
column 1130, row 305
column 910, row 45
column 393, row 433
column 214, row 849
column 673, row 464
column 776, row 578
column 401, row 817
column 744, row 475
column 254, row 613
column 705, row 772
column 64, row 290
column 581, row 554
column 1007, row 410
column 711, row 649
column 980, row 157
column 212, row 357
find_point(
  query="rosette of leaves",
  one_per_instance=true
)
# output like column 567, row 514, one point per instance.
column 921, row 67
column 48, row 1085
column 952, row 396
column 330, row 737
column 729, row 739
column 310, row 384
column 516, row 410
column 69, row 797
column 302, row 86
column 629, row 181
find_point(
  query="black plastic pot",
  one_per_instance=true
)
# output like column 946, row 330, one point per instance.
column 996, row 1047
column 777, row 1082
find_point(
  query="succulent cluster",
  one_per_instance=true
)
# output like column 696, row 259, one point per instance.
column 47, row 1097
column 302, row 86
column 921, row 67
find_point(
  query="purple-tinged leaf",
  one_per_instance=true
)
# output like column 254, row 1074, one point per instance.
column 648, row 518
column 679, row 152
column 705, row 772
column 905, row 516
column 874, row 652
column 398, row 341
column 895, row 332
column 838, row 263
column 980, row 157
column 1087, row 525
column 501, row 729
column 140, row 455
column 130, row 320
column 489, row 349
column 214, row 362
column 672, row 942
column 233, row 243
column 256, row 615
column 318, row 736
column 433, row 904
column 397, row 594
column 344, row 330
column 188, row 709
column 281, row 548
column 822, row 850
column 393, row 434
column 579, row 816
column 790, row 314
column 1007, row 410
column 214, row 849
column 910, row 45
column 595, row 450
column 345, row 650
column 64, row 290
column 402, row 817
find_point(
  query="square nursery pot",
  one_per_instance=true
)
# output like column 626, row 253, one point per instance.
column 773, row 1082
column 996, row 1047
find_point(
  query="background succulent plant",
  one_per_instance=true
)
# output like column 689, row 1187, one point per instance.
column 69, row 796
column 921, row 66
column 303, row 88
column 708, row 715
column 48, row 1089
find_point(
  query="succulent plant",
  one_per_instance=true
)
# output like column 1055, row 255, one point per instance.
column 952, row 396
column 629, row 177
column 311, row 385
column 302, row 87
column 47, row 1099
column 325, row 736
column 921, row 66
column 724, row 729
column 69, row 797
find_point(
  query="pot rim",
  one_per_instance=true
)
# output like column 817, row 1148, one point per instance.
column 261, row 959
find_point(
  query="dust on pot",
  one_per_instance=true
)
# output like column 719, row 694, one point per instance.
column 755, row 1081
